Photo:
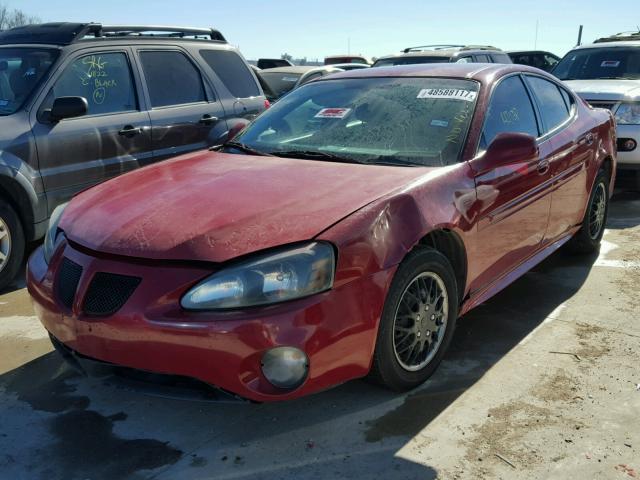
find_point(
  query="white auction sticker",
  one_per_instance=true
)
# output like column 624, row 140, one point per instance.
column 610, row 63
column 332, row 113
column 450, row 93
column 289, row 79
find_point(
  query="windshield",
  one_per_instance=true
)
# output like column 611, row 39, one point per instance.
column 280, row 83
column 595, row 63
column 410, row 60
column 398, row 121
column 21, row 70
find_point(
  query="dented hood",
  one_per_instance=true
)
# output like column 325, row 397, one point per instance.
column 214, row 206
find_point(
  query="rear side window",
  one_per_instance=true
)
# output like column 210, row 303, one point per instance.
column 552, row 106
column 482, row 59
column 171, row 78
column 501, row 58
column 233, row 72
column 510, row 110
column 103, row 79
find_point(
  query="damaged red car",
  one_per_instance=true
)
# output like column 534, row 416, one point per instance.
column 340, row 235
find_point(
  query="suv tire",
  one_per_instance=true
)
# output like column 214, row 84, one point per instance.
column 12, row 245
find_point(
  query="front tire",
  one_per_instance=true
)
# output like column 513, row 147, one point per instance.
column 12, row 245
column 417, row 322
column 588, row 238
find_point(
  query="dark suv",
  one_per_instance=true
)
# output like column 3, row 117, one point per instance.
column 81, row 103
column 445, row 54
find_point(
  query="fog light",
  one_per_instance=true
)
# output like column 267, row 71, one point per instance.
column 626, row 144
column 285, row 367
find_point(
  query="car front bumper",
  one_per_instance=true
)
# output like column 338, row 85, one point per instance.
column 629, row 160
column 150, row 332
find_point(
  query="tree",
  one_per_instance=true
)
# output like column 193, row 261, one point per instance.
column 286, row 56
column 15, row 18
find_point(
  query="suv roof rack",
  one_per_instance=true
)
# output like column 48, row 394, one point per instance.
column 619, row 37
column 448, row 47
column 66, row 33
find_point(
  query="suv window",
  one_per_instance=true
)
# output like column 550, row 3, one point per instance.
column 233, row 72
column 553, row 108
column 510, row 110
column 21, row 70
column 501, row 58
column 171, row 78
column 483, row 59
column 601, row 62
column 103, row 79
column 464, row 60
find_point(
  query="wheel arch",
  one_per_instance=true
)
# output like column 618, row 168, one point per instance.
column 21, row 199
column 450, row 244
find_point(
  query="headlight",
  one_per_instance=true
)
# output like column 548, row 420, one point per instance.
column 53, row 237
column 269, row 278
column 628, row 114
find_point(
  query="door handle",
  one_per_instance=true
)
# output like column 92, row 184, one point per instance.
column 543, row 166
column 130, row 131
column 207, row 119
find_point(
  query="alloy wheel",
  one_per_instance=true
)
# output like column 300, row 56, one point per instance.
column 5, row 244
column 598, row 211
column 420, row 321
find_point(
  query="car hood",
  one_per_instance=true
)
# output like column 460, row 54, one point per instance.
column 614, row 90
column 213, row 206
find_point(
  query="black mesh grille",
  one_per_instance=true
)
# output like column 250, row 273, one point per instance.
column 108, row 292
column 67, row 281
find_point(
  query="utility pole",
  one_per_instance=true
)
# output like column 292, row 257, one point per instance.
column 579, row 36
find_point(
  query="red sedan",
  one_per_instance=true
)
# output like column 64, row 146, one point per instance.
column 340, row 235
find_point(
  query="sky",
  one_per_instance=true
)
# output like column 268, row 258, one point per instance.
column 372, row 28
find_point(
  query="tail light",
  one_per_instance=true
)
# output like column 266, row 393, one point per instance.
column 267, row 103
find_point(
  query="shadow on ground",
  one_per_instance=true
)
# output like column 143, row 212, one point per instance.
column 55, row 424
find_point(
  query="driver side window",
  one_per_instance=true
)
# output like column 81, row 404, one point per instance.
column 103, row 79
column 510, row 110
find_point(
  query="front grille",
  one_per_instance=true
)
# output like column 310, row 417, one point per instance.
column 108, row 292
column 67, row 281
column 601, row 104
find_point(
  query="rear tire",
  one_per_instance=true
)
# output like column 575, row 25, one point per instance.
column 417, row 322
column 588, row 238
column 12, row 245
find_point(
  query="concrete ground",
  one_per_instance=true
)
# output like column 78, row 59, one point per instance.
column 541, row 382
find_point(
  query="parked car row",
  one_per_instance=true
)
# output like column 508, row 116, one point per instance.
column 338, row 234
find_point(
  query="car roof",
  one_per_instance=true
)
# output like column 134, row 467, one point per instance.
column 481, row 72
column 528, row 52
column 609, row 44
column 297, row 69
column 66, row 33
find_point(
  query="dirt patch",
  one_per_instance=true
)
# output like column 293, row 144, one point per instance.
column 593, row 340
column 503, row 434
column 560, row 387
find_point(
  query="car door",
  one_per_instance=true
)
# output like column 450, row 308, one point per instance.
column 185, row 112
column 113, row 137
column 242, row 98
column 572, row 150
column 514, row 201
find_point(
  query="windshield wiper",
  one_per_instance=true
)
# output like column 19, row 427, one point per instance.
column 242, row 147
column 393, row 161
column 314, row 155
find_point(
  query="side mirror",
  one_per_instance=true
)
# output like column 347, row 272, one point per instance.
column 68, row 107
column 507, row 148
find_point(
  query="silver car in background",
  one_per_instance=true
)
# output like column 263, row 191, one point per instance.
column 606, row 74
